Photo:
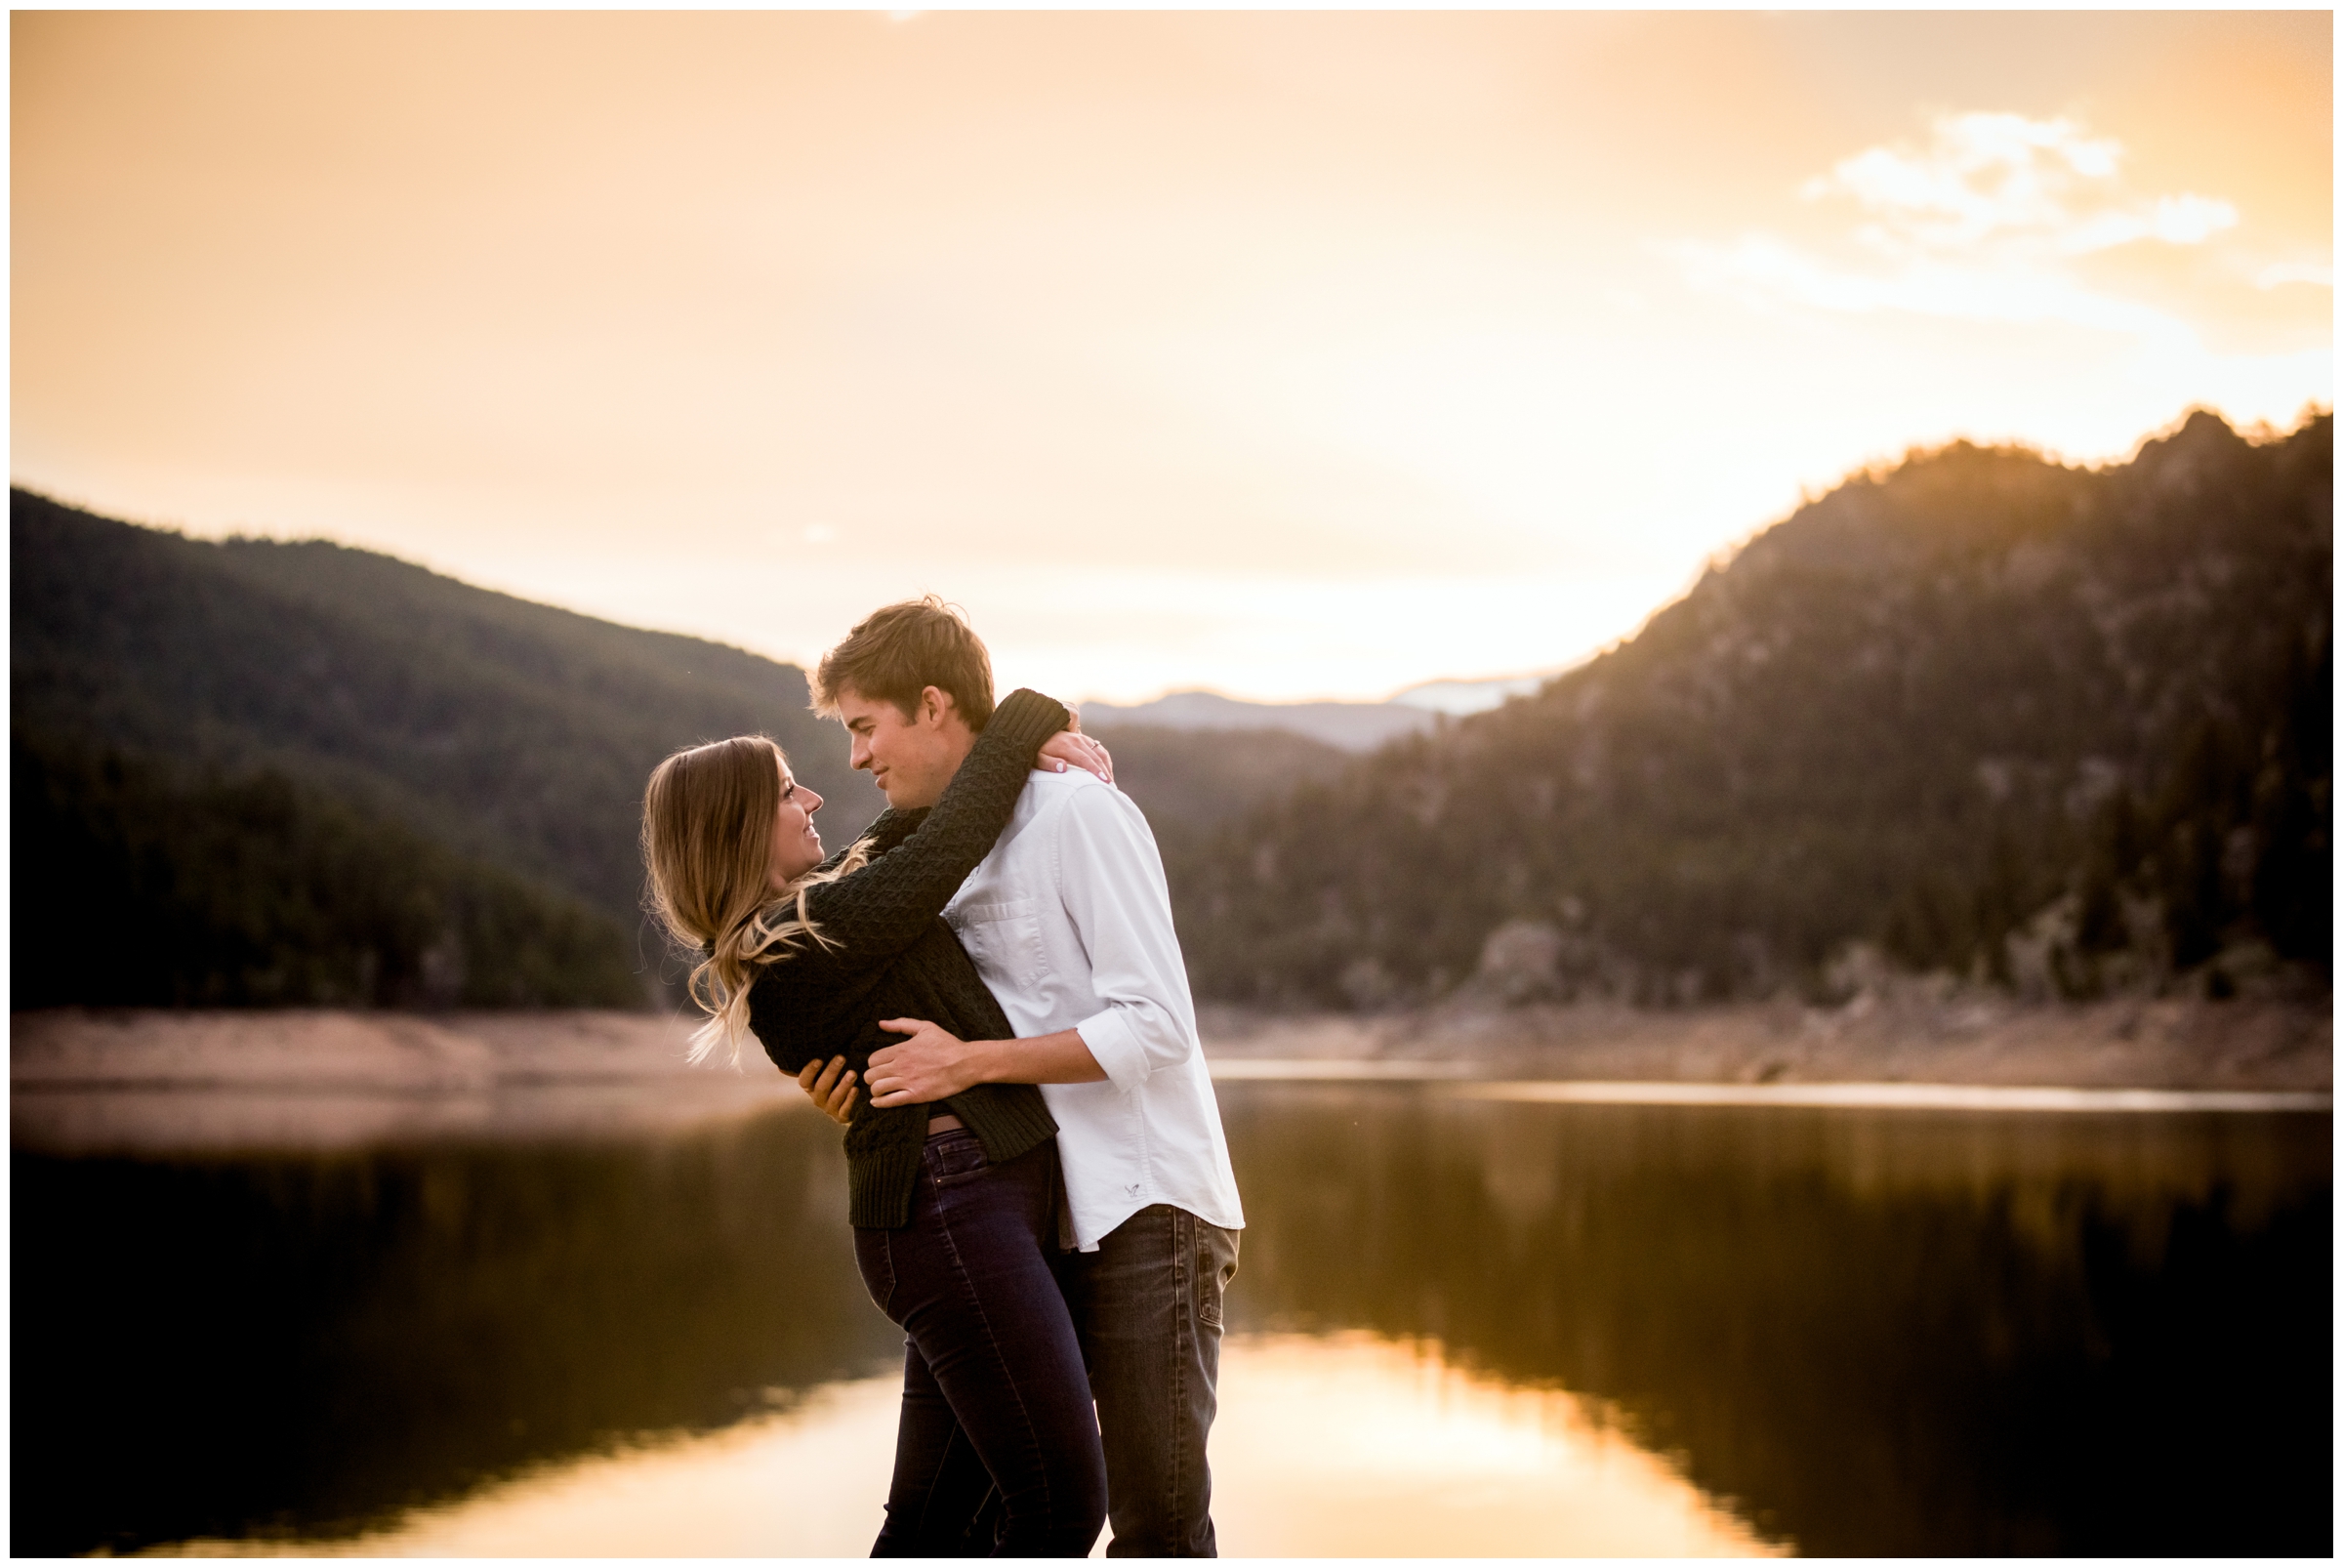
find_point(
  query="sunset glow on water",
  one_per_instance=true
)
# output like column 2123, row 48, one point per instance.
column 1349, row 1447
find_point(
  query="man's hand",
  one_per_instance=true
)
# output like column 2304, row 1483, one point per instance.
column 1071, row 745
column 830, row 1087
column 932, row 1065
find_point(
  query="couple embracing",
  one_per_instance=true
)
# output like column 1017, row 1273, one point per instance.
column 1039, row 1185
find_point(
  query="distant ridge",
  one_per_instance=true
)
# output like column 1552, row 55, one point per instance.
column 1355, row 726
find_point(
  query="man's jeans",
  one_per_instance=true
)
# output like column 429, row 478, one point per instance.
column 995, row 1400
column 1147, row 1307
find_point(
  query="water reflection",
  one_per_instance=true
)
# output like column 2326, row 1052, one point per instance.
column 1850, row 1332
column 1873, row 1331
column 298, row 1342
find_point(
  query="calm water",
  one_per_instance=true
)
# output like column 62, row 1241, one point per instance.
column 1671, row 1328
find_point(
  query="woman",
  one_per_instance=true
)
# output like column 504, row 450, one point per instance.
column 955, row 1204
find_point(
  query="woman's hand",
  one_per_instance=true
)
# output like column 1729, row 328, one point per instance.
column 933, row 1064
column 1071, row 745
column 830, row 1087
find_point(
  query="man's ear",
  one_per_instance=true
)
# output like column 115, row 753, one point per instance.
column 936, row 705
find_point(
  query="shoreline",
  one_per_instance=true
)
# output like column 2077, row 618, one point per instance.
column 153, row 1081
column 141, row 1081
column 1983, row 1041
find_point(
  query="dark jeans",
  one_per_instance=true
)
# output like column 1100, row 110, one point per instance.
column 1147, row 1305
column 995, row 1402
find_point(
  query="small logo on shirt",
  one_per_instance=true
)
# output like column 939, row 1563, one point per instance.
column 1132, row 1190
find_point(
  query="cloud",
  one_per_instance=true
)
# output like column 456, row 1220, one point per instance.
column 1767, row 270
column 1984, row 173
column 1980, row 225
column 1991, row 181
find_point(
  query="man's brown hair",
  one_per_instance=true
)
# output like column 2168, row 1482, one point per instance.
column 900, row 651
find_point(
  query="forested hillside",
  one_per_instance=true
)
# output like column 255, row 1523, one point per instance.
column 2062, row 729
column 2066, row 729
column 320, row 774
column 139, row 885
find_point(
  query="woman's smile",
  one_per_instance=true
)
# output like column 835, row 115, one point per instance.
column 797, row 841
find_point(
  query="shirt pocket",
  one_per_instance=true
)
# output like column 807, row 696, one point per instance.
column 1006, row 941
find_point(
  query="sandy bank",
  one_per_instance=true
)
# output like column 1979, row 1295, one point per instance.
column 2162, row 1043
column 85, row 1080
column 89, row 1081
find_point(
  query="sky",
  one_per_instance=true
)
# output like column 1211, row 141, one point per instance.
column 1294, row 355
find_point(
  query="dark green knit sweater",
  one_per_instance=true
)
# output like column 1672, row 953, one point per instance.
column 891, row 956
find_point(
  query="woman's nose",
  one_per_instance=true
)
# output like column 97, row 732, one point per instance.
column 814, row 801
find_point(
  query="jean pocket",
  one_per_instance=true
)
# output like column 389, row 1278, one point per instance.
column 1215, row 1266
column 953, row 1158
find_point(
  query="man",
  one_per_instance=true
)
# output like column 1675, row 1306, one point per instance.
column 1069, row 923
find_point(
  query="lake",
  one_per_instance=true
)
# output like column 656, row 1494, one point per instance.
column 1467, row 1321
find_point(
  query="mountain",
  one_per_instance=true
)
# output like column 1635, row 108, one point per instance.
column 2066, row 729
column 2062, row 728
column 310, row 775
column 453, row 775
column 1189, row 781
column 1351, row 726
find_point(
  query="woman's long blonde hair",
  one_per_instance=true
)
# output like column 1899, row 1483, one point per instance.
column 707, row 845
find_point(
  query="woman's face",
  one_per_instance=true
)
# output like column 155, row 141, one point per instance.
column 797, row 842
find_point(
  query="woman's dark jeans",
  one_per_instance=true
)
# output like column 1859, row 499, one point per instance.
column 997, row 1451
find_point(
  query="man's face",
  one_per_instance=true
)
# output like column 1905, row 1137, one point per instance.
column 911, row 757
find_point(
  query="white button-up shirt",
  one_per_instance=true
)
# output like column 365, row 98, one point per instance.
column 1069, row 921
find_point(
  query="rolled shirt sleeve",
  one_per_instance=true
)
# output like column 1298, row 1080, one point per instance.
column 1069, row 922
column 1111, row 879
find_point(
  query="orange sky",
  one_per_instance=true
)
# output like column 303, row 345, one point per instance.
column 1292, row 354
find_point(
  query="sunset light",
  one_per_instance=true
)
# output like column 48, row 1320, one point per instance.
column 1291, row 355
column 1518, row 784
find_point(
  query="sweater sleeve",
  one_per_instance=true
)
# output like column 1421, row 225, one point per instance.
column 874, row 913
column 886, row 830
